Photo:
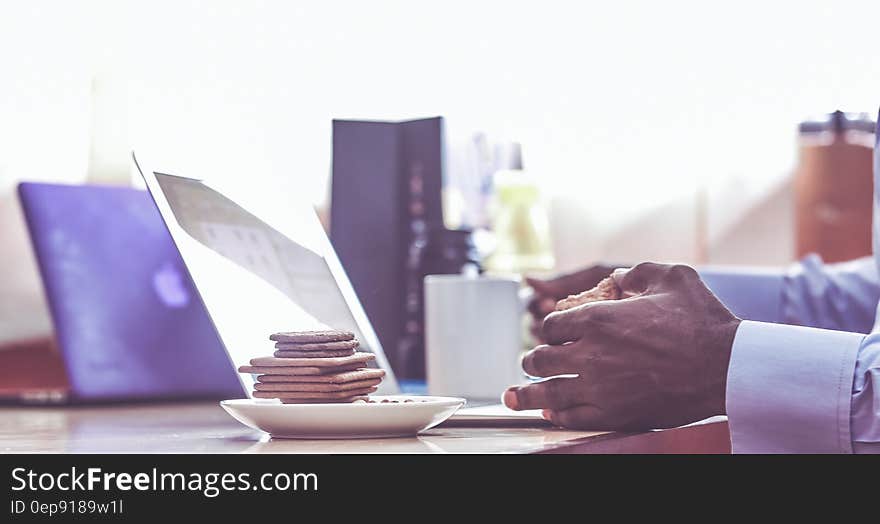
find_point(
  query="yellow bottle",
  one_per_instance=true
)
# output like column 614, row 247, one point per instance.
column 520, row 224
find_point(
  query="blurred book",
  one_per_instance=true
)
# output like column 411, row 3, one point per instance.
column 385, row 198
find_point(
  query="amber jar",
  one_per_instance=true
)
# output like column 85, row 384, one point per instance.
column 833, row 187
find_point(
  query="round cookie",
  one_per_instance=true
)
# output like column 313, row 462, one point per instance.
column 329, row 335
column 284, row 353
column 332, row 378
column 315, row 386
column 357, row 358
column 294, row 395
column 298, row 370
column 318, row 346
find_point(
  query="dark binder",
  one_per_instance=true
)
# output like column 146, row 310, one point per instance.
column 386, row 193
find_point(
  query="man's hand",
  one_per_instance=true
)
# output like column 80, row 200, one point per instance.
column 548, row 292
column 657, row 358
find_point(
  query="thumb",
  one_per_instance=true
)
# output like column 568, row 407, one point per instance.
column 626, row 287
column 619, row 277
column 639, row 279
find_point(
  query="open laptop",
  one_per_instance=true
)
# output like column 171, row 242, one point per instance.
column 262, row 263
column 128, row 323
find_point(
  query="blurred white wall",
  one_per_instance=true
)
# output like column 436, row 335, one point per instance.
column 624, row 109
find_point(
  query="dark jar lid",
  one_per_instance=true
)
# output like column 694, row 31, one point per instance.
column 442, row 237
column 448, row 251
column 838, row 122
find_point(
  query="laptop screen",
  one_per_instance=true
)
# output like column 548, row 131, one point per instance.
column 127, row 320
column 260, row 275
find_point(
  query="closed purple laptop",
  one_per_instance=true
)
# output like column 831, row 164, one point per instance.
column 128, row 322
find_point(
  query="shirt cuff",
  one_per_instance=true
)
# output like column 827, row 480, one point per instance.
column 789, row 389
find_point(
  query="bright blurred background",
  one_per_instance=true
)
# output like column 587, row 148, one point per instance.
column 658, row 130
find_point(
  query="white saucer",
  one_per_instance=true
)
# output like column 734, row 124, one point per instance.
column 354, row 420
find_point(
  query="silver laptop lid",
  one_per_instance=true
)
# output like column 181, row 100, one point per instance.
column 261, row 262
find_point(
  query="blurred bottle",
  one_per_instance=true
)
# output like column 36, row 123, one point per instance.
column 110, row 151
column 433, row 251
column 519, row 219
column 833, row 187
column 467, row 186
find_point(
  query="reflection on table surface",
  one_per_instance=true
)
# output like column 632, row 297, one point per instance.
column 205, row 428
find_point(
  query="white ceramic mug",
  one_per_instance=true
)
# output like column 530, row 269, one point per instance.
column 473, row 335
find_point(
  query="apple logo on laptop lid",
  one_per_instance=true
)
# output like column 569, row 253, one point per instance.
column 170, row 286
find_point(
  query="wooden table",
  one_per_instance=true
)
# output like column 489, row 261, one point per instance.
column 205, row 428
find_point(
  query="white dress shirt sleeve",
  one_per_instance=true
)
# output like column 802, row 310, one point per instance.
column 790, row 389
column 751, row 293
column 866, row 397
column 840, row 296
column 793, row 388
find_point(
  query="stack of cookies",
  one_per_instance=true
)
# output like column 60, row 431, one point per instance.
column 310, row 367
